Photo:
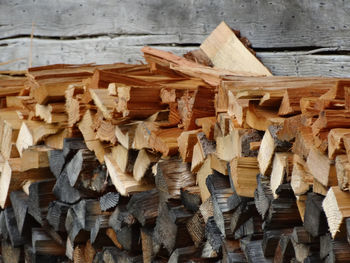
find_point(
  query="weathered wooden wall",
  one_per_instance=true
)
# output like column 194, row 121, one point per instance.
column 299, row 37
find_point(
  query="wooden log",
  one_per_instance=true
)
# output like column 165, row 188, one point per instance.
column 281, row 171
column 342, row 166
column 260, row 118
column 170, row 230
column 301, row 179
column 89, row 136
column 114, row 255
column 199, row 108
column 282, row 212
column 56, row 215
column 186, row 142
column 124, row 183
column 251, row 228
column 219, row 48
column 304, row 141
column 291, row 99
column 125, row 134
column 40, row 196
column 143, row 164
column 207, row 124
column 263, row 195
column 315, row 221
column 242, row 214
column 271, row 239
column 214, row 235
column 254, row 253
column 80, row 168
column 9, row 253
column 171, row 176
column 196, row 228
column 285, row 250
column 270, row 144
column 105, row 132
column 201, row 150
column 32, row 132
column 201, row 177
column 51, row 113
column 290, row 128
column 336, row 143
column 43, row 244
column 335, row 206
column 329, row 119
column 147, row 245
column 10, row 126
column 243, row 172
column 19, row 202
column 109, row 200
column 64, row 191
column 165, row 141
column 220, row 190
column 57, row 161
column 334, row 250
column 184, row 254
column 144, row 206
column 14, row 236
column 124, row 158
column 321, row 168
column 190, row 198
column 105, row 103
column 13, row 177
column 130, row 104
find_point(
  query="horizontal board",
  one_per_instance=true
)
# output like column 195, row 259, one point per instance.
column 267, row 24
column 127, row 49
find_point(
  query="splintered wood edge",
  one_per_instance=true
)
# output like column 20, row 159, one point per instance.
column 266, row 152
column 5, row 179
column 124, row 183
column 24, row 139
column 332, row 211
column 113, row 173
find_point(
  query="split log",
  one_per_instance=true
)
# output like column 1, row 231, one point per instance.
column 124, row 183
column 144, row 206
column 269, row 145
column 40, row 196
column 243, row 172
column 171, row 176
column 219, row 48
column 315, row 221
column 301, row 179
column 89, row 136
column 321, row 168
column 43, row 244
column 165, row 141
column 281, row 171
column 335, row 206
column 124, row 158
column 13, row 177
column 143, row 164
column 342, row 166
column 32, row 132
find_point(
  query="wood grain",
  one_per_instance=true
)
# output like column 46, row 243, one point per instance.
column 277, row 23
column 127, row 49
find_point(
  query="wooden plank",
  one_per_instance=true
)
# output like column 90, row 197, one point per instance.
column 127, row 49
column 282, row 22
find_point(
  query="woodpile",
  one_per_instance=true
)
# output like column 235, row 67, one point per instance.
column 202, row 158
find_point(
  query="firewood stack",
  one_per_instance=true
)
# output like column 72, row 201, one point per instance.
column 206, row 158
